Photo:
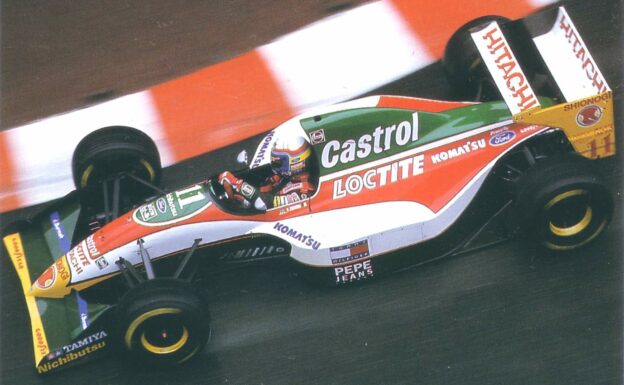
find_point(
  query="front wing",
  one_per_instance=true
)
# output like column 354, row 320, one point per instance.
column 67, row 330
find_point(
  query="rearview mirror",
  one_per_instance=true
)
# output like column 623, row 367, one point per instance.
column 243, row 158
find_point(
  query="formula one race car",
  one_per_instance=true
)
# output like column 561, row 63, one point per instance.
column 382, row 173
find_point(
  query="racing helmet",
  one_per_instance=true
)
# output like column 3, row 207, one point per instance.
column 289, row 155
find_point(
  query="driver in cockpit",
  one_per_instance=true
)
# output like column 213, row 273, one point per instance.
column 288, row 183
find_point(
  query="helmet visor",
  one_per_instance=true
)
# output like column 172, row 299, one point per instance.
column 280, row 163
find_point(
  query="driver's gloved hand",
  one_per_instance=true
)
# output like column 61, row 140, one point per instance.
column 241, row 191
column 227, row 178
column 244, row 203
column 251, row 194
column 260, row 205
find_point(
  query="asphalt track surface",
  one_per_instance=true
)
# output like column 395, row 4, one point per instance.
column 498, row 316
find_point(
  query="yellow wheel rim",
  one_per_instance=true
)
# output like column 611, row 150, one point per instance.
column 563, row 196
column 574, row 229
column 577, row 227
column 149, row 168
column 475, row 63
column 85, row 176
column 165, row 349
column 148, row 345
column 587, row 220
column 585, row 241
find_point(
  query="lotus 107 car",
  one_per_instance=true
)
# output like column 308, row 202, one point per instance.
column 393, row 182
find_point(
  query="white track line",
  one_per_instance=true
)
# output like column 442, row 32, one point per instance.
column 43, row 149
column 344, row 56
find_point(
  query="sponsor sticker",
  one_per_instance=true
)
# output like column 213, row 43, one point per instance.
column 92, row 248
column 74, row 351
column 379, row 176
column 502, row 138
column 62, row 270
column 161, row 205
column 93, row 338
column 41, row 343
column 53, row 355
column 589, row 115
column 458, row 151
column 173, row 207
column 350, row 252
column 317, row 136
column 584, row 60
column 13, row 243
column 148, row 211
column 504, row 68
column 530, row 128
column 46, row 280
column 253, row 253
column 289, row 208
column 354, row 272
column 381, row 139
column 78, row 258
column 306, row 240
column 586, row 102
column 171, row 204
column 101, row 263
column 286, row 199
column 247, row 190
column 263, row 150
column 61, row 236
column 598, row 131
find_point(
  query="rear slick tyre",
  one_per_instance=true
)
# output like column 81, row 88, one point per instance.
column 563, row 203
column 464, row 68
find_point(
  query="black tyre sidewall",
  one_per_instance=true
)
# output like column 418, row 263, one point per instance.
column 111, row 150
column 462, row 62
column 554, row 177
column 155, row 295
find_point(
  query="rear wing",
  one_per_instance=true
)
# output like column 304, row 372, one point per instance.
column 66, row 330
column 552, row 44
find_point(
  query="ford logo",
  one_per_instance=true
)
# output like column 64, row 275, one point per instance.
column 502, row 138
column 161, row 204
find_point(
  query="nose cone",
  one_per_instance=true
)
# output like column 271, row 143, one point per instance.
column 53, row 282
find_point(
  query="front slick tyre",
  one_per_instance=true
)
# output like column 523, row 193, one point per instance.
column 111, row 151
column 163, row 322
column 563, row 203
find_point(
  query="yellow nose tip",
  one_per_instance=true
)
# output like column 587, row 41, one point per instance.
column 53, row 282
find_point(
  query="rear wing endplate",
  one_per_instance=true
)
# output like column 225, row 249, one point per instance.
column 567, row 57
column 586, row 116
